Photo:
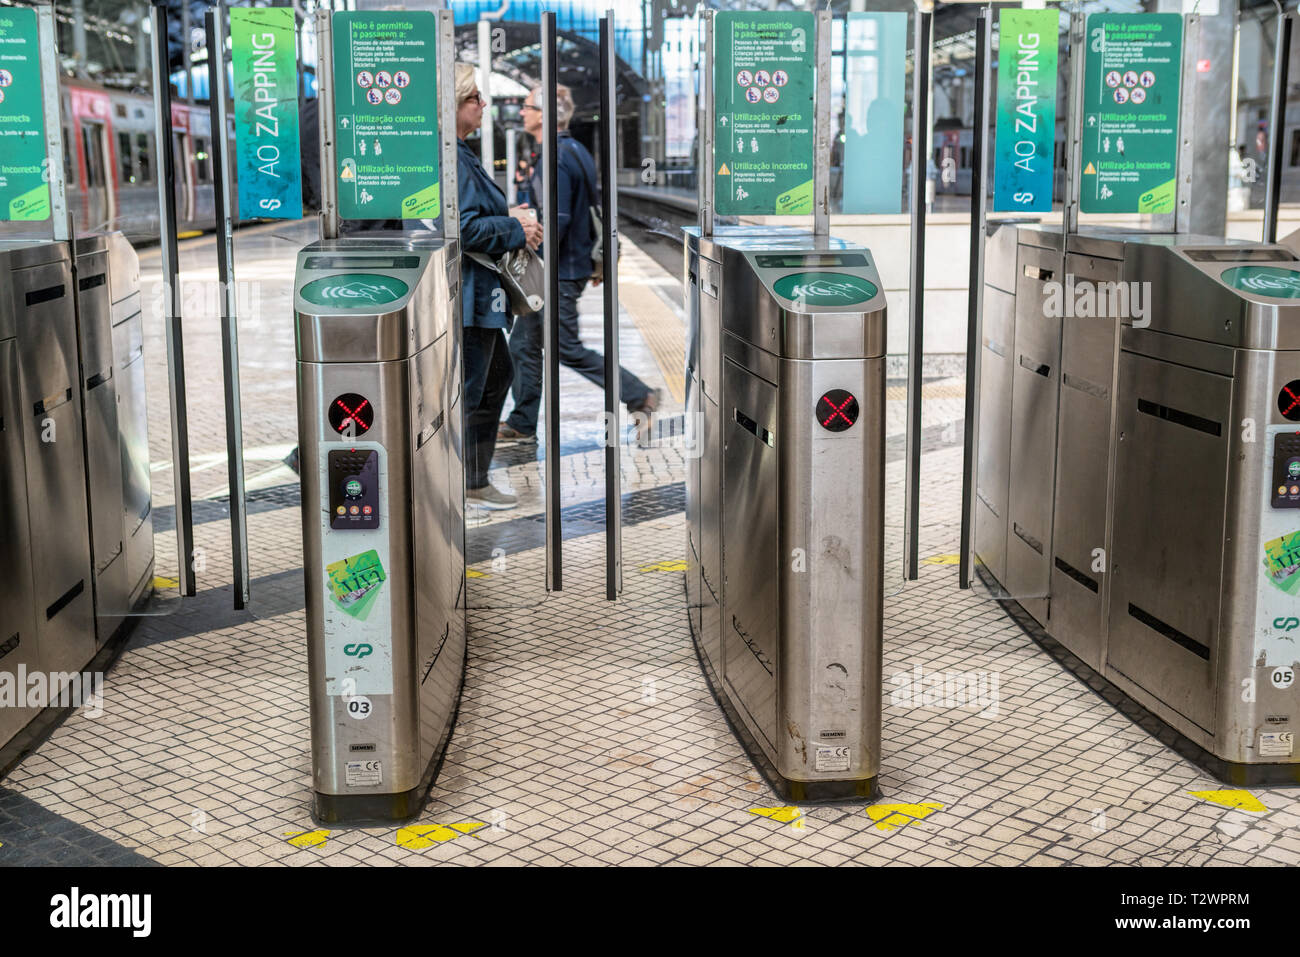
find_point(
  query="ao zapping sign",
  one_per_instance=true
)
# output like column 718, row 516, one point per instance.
column 1026, row 125
column 267, row 154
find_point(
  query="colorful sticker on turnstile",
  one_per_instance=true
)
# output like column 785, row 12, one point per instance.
column 354, row 583
column 24, row 192
column 1264, row 281
column 1282, row 562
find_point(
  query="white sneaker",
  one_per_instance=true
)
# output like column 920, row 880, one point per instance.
column 490, row 497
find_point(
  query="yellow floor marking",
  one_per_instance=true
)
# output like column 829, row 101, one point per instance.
column 668, row 565
column 889, row 817
column 308, row 838
column 664, row 335
column 784, row 815
column 942, row 560
column 189, row 234
column 165, row 583
column 1236, row 799
column 419, row 836
column 475, row 573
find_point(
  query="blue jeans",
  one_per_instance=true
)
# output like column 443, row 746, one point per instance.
column 526, row 349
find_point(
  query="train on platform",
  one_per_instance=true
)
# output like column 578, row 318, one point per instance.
column 110, row 160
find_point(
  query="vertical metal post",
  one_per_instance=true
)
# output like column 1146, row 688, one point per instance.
column 822, row 125
column 916, row 292
column 1276, row 126
column 447, row 127
column 47, row 38
column 218, row 102
column 1074, row 127
column 551, row 311
column 487, row 142
column 609, row 223
column 704, row 162
column 978, row 214
column 329, row 183
column 162, row 108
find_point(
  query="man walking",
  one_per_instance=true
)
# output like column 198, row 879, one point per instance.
column 575, row 193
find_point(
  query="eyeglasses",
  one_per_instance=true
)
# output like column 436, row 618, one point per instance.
column 529, row 106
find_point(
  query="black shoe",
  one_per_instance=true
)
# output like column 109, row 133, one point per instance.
column 648, row 404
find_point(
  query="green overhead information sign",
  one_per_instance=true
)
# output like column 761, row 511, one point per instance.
column 764, row 73
column 1132, row 76
column 24, row 191
column 386, row 115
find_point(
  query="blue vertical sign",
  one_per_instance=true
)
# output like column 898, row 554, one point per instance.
column 874, row 102
column 265, row 93
column 1026, row 128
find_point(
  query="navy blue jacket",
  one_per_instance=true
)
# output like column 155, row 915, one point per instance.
column 485, row 227
column 573, row 224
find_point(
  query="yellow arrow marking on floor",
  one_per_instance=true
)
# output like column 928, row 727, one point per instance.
column 308, row 838
column 164, row 583
column 942, row 560
column 889, row 817
column 419, row 836
column 474, row 573
column 669, row 565
column 1235, row 799
column 783, row 815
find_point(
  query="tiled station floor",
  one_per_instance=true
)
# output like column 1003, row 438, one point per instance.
column 587, row 734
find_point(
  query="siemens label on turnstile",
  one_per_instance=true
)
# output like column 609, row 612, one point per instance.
column 386, row 115
column 24, row 193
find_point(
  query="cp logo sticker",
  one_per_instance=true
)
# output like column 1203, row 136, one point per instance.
column 357, row 651
column 1286, row 624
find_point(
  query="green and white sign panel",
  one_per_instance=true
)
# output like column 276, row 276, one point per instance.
column 1264, row 281
column 386, row 115
column 763, row 79
column 1026, row 125
column 268, row 162
column 24, row 189
column 1132, row 75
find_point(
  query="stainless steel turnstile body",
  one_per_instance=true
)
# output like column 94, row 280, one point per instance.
column 378, row 328
column 76, row 536
column 127, row 318
column 785, row 498
column 1174, row 554
column 38, row 302
column 103, row 452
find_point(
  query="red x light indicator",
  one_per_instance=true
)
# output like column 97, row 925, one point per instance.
column 837, row 410
column 1288, row 400
column 351, row 414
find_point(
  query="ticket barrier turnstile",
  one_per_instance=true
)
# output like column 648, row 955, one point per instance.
column 785, row 499
column 378, row 331
column 72, row 428
column 1169, row 470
